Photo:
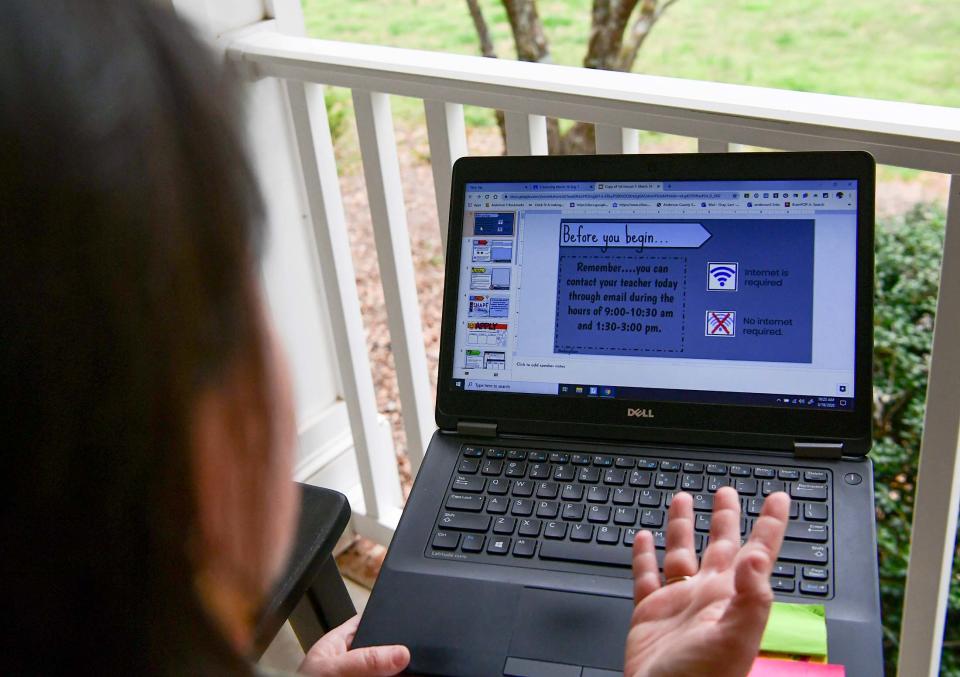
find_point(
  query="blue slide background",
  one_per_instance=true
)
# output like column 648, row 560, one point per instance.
column 752, row 243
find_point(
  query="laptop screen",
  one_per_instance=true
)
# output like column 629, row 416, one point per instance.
column 727, row 292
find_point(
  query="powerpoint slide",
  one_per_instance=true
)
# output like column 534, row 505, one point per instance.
column 495, row 251
column 709, row 289
column 489, row 277
column 488, row 306
column 487, row 334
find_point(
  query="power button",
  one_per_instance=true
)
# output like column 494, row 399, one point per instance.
column 852, row 478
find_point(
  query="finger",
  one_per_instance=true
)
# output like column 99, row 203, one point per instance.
column 371, row 661
column 337, row 640
column 746, row 615
column 646, row 573
column 768, row 530
column 724, row 531
column 681, row 557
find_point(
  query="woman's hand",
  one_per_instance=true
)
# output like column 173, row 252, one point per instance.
column 710, row 623
column 331, row 656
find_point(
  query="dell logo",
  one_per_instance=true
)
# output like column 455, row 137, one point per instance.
column 639, row 413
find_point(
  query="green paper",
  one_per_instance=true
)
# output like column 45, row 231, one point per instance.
column 796, row 629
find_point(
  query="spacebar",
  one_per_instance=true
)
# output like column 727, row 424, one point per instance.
column 616, row 555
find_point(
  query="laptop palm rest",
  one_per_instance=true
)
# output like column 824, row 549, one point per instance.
column 570, row 628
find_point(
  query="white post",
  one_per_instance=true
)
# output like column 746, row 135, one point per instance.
column 448, row 143
column 615, row 140
column 526, row 134
column 938, row 478
column 381, row 169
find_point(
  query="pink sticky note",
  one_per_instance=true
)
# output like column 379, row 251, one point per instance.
column 770, row 667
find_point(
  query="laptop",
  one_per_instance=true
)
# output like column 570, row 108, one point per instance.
column 617, row 329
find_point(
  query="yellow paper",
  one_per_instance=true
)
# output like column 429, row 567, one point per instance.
column 796, row 629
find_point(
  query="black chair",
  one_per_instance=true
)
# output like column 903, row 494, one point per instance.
column 312, row 594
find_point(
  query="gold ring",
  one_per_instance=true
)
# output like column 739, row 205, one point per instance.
column 678, row 579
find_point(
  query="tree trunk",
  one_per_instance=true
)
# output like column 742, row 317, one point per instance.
column 486, row 49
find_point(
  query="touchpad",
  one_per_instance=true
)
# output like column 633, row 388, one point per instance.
column 572, row 628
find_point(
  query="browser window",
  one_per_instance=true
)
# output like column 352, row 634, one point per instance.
column 731, row 292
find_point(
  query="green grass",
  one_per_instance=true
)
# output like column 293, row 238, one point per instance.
column 883, row 49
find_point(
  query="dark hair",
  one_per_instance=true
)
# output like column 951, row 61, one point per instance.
column 129, row 238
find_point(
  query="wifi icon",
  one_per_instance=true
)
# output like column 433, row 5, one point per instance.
column 722, row 276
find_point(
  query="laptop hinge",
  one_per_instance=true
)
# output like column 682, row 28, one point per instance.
column 473, row 429
column 818, row 449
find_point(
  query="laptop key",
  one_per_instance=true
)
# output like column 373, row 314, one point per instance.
column 716, row 469
column 666, row 480
column 804, row 531
column 537, row 456
column 805, row 553
column 547, row 490
column 498, row 486
column 472, row 543
column 740, row 471
column 540, row 471
column 624, row 496
column 692, row 467
column 788, row 570
column 499, row 546
column 608, row 535
column 703, row 502
column 580, row 532
column 598, row 494
column 446, row 540
column 469, row 466
column 603, row 461
column 629, row 536
column 764, row 473
column 472, row 484
column 815, row 573
column 624, row 462
column 529, row 528
column 815, row 512
column 788, row 474
column 714, row 484
column 810, row 588
column 464, row 521
column 746, row 487
column 650, row 498
column 522, row 507
column 504, row 525
column 572, row 492
column 523, row 488
column 771, row 486
column 582, row 552
column 496, row 453
column 815, row 475
column 590, row 475
column 472, row 452
column 557, row 457
column 498, row 505
column 468, row 502
column 646, row 464
column 614, row 476
column 640, row 478
column 555, row 530
column 573, row 511
column 692, row 483
column 599, row 513
column 516, row 469
column 564, row 473
column 782, row 584
column 808, row 492
column 580, row 459
column 491, row 467
column 625, row 516
column 524, row 547
column 548, row 509
column 669, row 466
column 651, row 518
column 516, row 455
column 702, row 522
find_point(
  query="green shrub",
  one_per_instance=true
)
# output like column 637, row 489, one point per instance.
column 338, row 110
column 909, row 250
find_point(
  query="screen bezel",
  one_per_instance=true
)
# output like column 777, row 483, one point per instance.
column 679, row 422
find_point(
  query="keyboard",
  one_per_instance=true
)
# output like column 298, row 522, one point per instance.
column 559, row 510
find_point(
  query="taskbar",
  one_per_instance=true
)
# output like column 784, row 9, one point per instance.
column 591, row 391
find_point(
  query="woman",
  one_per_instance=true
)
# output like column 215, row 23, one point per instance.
column 148, row 503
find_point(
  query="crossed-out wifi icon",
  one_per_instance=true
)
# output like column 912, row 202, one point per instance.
column 722, row 276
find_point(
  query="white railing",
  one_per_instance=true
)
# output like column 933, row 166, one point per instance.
column 901, row 134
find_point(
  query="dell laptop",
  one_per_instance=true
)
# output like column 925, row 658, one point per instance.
column 617, row 329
